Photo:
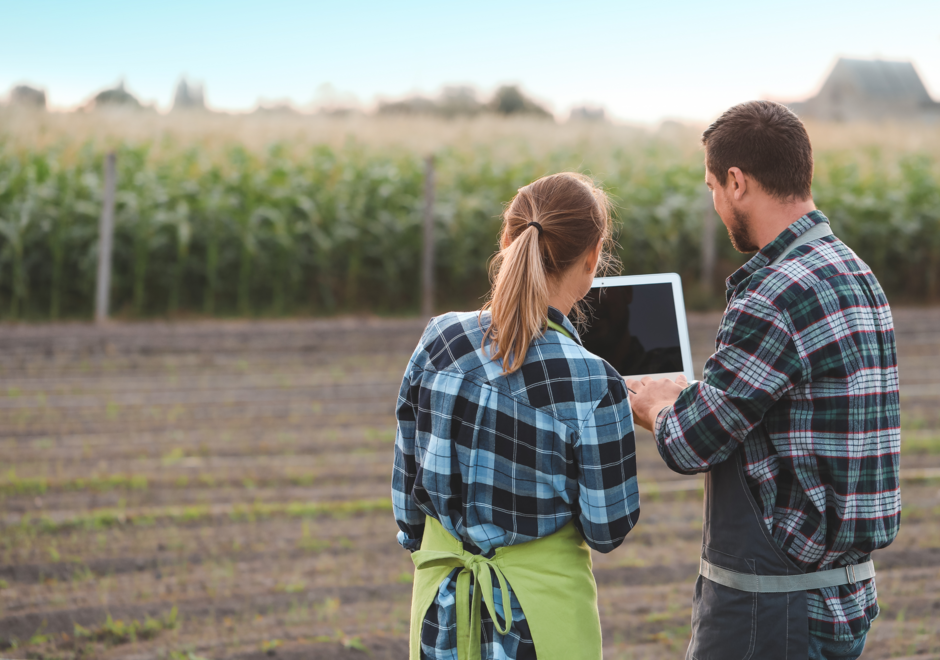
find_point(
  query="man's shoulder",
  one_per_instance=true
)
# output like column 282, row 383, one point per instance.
column 816, row 283
column 826, row 266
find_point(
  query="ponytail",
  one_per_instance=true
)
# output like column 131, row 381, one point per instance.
column 547, row 227
column 519, row 301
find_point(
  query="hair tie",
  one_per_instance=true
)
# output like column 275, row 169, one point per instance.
column 536, row 225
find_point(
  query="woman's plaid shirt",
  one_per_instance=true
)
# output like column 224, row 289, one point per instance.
column 804, row 380
column 501, row 460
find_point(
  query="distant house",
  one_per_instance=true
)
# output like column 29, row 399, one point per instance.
column 28, row 97
column 871, row 90
column 189, row 96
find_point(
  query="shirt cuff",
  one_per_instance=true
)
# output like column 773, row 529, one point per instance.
column 408, row 543
column 660, row 421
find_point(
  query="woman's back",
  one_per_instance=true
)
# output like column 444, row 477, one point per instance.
column 504, row 459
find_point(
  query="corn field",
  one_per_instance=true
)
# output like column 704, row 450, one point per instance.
column 325, row 228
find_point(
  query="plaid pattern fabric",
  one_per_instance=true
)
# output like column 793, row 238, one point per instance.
column 501, row 460
column 439, row 633
column 804, row 380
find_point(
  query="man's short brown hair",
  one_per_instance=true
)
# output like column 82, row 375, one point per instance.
column 766, row 141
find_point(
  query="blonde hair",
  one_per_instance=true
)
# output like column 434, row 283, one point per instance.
column 574, row 215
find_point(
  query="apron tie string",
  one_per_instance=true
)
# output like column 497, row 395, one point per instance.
column 468, row 623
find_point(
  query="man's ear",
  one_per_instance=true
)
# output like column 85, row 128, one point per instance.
column 738, row 182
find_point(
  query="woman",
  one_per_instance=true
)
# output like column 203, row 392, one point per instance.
column 515, row 448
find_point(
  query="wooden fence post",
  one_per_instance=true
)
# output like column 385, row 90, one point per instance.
column 105, row 236
column 709, row 249
column 427, row 262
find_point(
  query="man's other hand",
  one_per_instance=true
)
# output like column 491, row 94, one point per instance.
column 648, row 397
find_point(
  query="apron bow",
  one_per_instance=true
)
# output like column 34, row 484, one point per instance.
column 468, row 623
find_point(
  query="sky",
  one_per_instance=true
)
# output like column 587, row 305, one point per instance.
column 642, row 61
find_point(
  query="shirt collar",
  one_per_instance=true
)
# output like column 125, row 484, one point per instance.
column 562, row 320
column 776, row 247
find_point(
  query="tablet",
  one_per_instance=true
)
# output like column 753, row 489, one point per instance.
column 637, row 323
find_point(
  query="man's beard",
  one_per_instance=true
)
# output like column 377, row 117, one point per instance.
column 739, row 234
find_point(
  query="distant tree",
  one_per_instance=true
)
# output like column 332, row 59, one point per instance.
column 509, row 100
column 282, row 108
column 117, row 97
column 332, row 102
column 411, row 105
column 587, row 113
column 459, row 101
column 452, row 102
column 28, row 97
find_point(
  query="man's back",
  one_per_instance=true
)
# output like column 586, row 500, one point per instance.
column 804, row 380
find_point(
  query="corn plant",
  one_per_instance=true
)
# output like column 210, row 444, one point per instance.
column 323, row 230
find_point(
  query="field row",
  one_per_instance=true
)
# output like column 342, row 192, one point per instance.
column 222, row 491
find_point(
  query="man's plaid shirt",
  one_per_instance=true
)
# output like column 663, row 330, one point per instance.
column 501, row 460
column 804, row 381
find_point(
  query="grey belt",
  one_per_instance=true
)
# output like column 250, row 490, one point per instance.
column 775, row 584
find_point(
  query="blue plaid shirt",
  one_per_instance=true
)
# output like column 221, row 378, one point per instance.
column 501, row 460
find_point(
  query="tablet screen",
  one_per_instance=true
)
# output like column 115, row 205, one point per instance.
column 634, row 328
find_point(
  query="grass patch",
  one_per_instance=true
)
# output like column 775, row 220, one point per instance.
column 301, row 479
column 271, row 645
column 385, row 435
column 185, row 655
column 114, row 632
column 914, row 445
column 913, row 513
column 291, row 587
column 13, row 485
column 197, row 514
column 674, row 637
column 173, row 457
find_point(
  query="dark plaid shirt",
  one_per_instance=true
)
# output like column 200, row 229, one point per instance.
column 804, row 381
column 501, row 460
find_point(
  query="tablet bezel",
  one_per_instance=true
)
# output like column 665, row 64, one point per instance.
column 681, row 319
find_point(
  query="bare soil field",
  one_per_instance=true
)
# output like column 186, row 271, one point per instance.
column 221, row 490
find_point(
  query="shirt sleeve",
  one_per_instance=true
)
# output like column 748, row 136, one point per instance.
column 409, row 517
column 608, row 496
column 755, row 364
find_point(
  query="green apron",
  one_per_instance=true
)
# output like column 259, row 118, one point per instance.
column 550, row 576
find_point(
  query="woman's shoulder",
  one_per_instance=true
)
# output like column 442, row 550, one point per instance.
column 562, row 360
column 452, row 338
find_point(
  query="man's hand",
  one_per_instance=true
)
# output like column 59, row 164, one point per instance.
column 648, row 397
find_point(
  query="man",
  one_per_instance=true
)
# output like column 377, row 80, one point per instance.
column 796, row 420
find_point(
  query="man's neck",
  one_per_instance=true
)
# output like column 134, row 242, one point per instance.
column 769, row 222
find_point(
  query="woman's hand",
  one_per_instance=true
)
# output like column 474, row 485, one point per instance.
column 648, row 397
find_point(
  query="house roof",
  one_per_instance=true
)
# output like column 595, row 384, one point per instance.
column 882, row 79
